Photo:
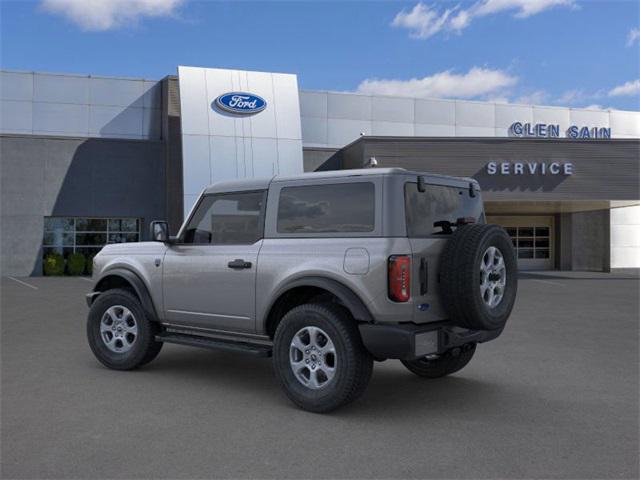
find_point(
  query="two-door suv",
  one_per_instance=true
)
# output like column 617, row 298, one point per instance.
column 326, row 272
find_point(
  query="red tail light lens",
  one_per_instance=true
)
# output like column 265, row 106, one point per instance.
column 399, row 278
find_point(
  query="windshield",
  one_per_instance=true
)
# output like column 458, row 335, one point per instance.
column 438, row 203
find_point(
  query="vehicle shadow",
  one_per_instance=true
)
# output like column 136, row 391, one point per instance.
column 392, row 391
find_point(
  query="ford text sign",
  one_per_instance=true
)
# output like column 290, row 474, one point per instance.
column 240, row 103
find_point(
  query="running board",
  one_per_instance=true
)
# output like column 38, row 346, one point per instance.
column 215, row 344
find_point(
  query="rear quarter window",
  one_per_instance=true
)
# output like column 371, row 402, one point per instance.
column 327, row 208
column 437, row 203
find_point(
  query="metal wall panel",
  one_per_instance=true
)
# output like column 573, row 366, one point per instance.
column 392, row 129
column 197, row 173
column 589, row 117
column 61, row 118
column 349, row 106
column 314, row 130
column 116, row 92
column 389, row 109
column 625, row 123
column 60, row 89
column 313, row 104
column 285, row 91
column 66, row 102
column 506, row 115
column 342, row 132
column 471, row 114
column 425, row 130
column 16, row 86
column 435, row 112
column 552, row 115
column 16, row 117
column 107, row 121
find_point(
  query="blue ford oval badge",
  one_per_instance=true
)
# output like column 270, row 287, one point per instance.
column 240, row 103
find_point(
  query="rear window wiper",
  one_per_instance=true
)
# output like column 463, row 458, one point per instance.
column 447, row 226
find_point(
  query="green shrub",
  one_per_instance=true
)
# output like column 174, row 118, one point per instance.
column 89, row 267
column 75, row 263
column 53, row 264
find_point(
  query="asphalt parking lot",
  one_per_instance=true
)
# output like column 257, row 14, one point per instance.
column 556, row 396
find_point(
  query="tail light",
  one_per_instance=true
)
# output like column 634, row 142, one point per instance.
column 399, row 278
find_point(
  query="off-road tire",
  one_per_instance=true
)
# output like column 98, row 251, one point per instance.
column 144, row 349
column 450, row 362
column 353, row 363
column 460, row 277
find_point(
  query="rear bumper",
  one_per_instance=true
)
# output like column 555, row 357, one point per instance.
column 409, row 341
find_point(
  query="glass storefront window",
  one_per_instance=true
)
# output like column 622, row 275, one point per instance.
column 65, row 235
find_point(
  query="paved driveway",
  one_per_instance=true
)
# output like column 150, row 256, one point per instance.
column 555, row 397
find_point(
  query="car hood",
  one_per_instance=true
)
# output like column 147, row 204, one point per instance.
column 134, row 248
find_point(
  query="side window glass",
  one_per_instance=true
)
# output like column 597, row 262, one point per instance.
column 227, row 219
column 334, row 208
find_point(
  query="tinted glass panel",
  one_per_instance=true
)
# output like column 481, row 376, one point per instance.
column 525, row 232
column 53, row 223
column 91, row 224
column 437, row 203
column 542, row 231
column 527, row 253
column 123, row 225
column 338, row 208
column 234, row 219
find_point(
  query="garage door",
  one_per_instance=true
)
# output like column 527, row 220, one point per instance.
column 532, row 238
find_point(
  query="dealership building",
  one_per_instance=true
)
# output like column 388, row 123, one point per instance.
column 88, row 160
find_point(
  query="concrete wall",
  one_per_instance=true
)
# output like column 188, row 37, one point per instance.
column 590, row 241
column 46, row 176
column 625, row 237
column 79, row 106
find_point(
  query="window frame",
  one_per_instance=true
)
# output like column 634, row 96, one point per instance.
column 273, row 204
column 75, row 247
column 201, row 199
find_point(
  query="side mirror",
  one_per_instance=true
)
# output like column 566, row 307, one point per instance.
column 159, row 231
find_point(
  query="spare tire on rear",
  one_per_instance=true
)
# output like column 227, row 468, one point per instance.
column 479, row 277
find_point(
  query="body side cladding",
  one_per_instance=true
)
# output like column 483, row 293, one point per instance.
column 134, row 281
column 348, row 298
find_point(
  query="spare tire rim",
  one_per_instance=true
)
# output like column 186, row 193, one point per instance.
column 493, row 277
column 312, row 357
column 118, row 329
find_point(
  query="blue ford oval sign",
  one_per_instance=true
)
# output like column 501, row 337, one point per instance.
column 240, row 103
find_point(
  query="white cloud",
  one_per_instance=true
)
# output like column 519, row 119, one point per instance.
column 421, row 21
column 633, row 36
column 595, row 106
column 475, row 83
column 631, row 87
column 99, row 15
column 424, row 22
column 538, row 97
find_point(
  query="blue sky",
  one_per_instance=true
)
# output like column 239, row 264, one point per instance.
column 558, row 52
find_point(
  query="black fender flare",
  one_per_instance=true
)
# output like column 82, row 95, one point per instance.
column 350, row 300
column 136, row 283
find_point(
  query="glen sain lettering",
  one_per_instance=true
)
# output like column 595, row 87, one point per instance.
column 544, row 130
column 529, row 168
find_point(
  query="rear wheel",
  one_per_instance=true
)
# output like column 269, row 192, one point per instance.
column 319, row 358
column 451, row 362
column 119, row 333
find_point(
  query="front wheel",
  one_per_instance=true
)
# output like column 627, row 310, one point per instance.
column 119, row 333
column 319, row 358
column 452, row 361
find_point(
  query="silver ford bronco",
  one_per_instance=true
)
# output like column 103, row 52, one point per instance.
column 325, row 272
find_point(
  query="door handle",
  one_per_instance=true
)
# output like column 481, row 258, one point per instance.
column 239, row 264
